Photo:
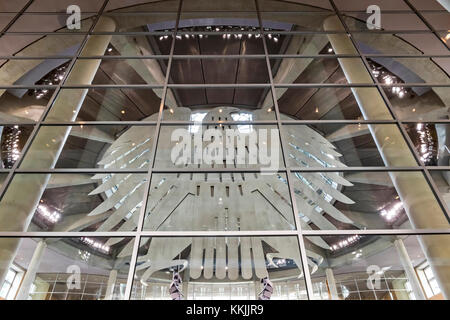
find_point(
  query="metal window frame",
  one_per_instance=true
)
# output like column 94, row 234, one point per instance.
column 152, row 169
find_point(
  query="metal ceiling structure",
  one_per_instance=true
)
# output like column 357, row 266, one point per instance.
column 274, row 57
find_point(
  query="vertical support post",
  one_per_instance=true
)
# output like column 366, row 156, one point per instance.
column 111, row 284
column 331, row 284
column 30, row 274
column 258, row 288
column 409, row 269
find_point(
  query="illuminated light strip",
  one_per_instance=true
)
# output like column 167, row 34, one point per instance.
column 96, row 244
column 345, row 243
column 388, row 78
column 271, row 36
column 393, row 212
column 12, row 146
column 52, row 217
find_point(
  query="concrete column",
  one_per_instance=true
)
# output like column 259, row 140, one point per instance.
column 409, row 270
column 185, row 284
column 258, row 289
column 418, row 199
column 22, row 197
column 111, row 284
column 331, row 284
column 30, row 274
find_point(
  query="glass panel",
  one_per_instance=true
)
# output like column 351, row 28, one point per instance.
column 12, row 6
column 361, row 5
column 78, row 202
column 13, row 138
column 419, row 103
column 410, row 70
column 218, row 71
column 142, row 6
column 225, row 6
column 142, row 18
column 319, row 103
column 122, row 71
column 216, row 21
column 32, row 45
column 2, row 178
column 50, row 23
column 207, row 272
column 220, row 145
column 439, row 21
column 309, row 70
column 203, row 41
column 219, row 202
column 389, row 22
column 114, row 104
column 89, row 146
column 368, row 267
column 5, row 18
column 61, row 5
column 301, row 44
column 355, row 200
column 4, row 290
column 442, row 182
column 156, row 43
column 430, row 141
column 10, row 276
column 295, row 21
column 428, row 273
column 239, row 98
column 426, row 5
column 338, row 145
column 24, row 105
column 399, row 43
column 72, row 268
column 304, row 6
column 28, row 73
column 220, row 114
column 435, row 286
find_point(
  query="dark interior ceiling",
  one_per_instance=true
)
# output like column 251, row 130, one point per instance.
column 131, row 104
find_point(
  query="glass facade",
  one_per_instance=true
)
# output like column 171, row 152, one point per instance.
column 341, row 191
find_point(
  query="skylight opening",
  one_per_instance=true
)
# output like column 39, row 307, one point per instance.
column 198, row 118
column 243, row 116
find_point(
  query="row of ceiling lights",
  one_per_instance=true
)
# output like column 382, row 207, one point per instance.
column 383, row 75
column 345, row 243
column 84, row 255
column 96, row 244
column 51, row 216
column 54, row 77
column 12, row 140
column 392, row 211
column 426, row 143
column 228, row 33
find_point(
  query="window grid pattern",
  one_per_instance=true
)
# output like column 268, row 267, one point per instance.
column 8, row 284
column 428, row 279
column 271, row 86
